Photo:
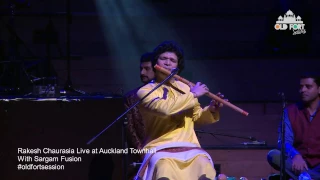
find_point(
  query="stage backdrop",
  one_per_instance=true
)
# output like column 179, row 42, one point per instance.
column 232, row 48
column 61, row 125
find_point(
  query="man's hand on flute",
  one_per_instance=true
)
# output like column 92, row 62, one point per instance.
column 216, row 105
column 199, row 89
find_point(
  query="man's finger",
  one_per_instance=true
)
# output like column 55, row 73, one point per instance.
column 218, row 104
column 296, row 169
column 301, row 168
column 306, row 166
column 293, row 167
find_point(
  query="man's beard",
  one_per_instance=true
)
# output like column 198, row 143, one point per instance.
column 145, row 79
column 308, row 100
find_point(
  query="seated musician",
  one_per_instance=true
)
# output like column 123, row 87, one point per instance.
column 302, row 134
column 169, row 115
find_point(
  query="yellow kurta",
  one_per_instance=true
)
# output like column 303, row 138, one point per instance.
column 169, row 116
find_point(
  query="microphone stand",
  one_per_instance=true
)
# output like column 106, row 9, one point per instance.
column 282, row 157
column 68, row 86
column 174, row 72
column 15, row 84
column 255, row 142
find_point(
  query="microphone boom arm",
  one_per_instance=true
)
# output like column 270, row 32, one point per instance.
column 226, row 135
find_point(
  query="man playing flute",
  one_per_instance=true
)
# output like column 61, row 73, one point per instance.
column 169, row 114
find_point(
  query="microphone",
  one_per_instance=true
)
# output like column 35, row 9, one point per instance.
column 281, row 94
column 36, row 79
column 135, row 164
column 174, row 71
column 255, row 143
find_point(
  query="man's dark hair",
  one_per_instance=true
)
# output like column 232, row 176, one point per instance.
column 146, row 57
column 169, row 46
column 313, row 75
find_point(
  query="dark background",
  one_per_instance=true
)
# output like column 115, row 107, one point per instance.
column 231, row 46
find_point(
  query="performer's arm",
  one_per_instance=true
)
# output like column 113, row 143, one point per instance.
column 289, row 149
column 203, row 116
column 166, row 106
